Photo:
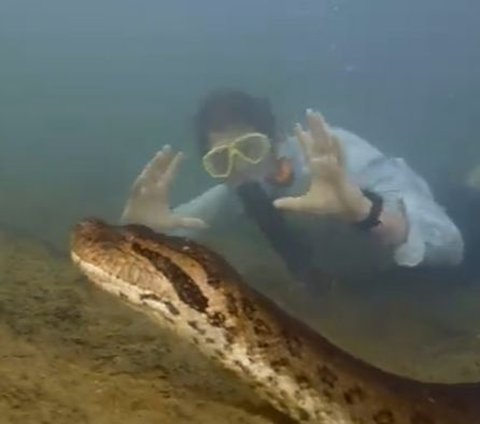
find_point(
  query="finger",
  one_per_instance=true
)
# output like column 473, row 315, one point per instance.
column 320, row 134
column 190, row 223
column 290, row 203
column 152, row 171
column 160, row 162
column 139, row 186
column 171, row 169
column 326, row 167
column 303, row 140
column 337, row 150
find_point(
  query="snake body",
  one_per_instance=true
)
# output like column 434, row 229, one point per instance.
column 191, row 290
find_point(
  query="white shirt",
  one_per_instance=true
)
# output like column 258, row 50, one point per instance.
column 433, row 239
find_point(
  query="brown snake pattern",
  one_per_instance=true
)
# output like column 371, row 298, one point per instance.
column 191, row 290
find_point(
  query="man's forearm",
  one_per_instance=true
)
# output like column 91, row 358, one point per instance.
column 393, row 227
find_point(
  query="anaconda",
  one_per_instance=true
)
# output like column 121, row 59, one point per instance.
column 193, row 291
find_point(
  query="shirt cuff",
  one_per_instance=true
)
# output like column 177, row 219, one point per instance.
column 412, row 251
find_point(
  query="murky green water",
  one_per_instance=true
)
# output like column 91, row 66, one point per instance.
column 90, row 90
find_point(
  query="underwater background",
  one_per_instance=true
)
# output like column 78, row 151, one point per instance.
column 90, row 90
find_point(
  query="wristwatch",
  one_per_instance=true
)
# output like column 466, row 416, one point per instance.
column 373, row 218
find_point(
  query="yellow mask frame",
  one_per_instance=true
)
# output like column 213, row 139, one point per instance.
column 234, row 149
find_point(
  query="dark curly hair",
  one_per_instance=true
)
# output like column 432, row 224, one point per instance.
column 222, row 109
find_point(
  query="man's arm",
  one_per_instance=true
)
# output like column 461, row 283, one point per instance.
column 341, row 166
column 213, row 207
column 412, row 223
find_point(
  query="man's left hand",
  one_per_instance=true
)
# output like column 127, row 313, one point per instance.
column 330, row 191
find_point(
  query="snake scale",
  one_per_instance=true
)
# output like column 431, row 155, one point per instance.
column 193, row 291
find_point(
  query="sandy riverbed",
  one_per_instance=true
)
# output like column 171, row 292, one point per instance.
column 72, row 354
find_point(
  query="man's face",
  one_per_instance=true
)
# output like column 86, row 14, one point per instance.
column 241, row 151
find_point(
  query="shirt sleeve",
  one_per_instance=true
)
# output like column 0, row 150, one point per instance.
column 433, row 238
column 215, row 207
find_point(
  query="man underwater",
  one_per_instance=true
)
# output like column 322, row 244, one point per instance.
column 320, row 178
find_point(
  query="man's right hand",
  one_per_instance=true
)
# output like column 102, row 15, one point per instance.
column 148, row 202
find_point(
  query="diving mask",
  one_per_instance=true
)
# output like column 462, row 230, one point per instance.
column 251, row 148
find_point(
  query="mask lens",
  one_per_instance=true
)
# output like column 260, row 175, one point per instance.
column 254, row 147
column 217, row 162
